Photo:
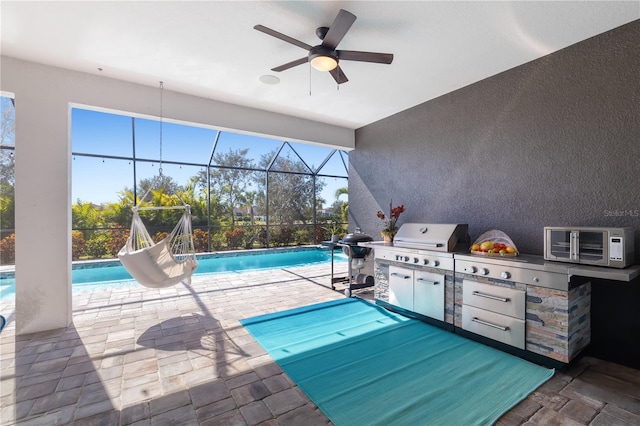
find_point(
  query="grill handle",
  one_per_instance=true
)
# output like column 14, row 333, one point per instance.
column 404, row 277
column 490, row 296
column 422, row 280
column 417, row 243
column 432, row 244
column 489, row 324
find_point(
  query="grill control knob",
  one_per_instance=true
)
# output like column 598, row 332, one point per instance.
column 483, row 271
column 425, row 262
column 435, row 263
column 406, row 258
column 505, row 275
column 416, row 260
column 536, row 279
column 470, row 269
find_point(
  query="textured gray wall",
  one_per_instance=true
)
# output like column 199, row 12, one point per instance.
column 553, row 142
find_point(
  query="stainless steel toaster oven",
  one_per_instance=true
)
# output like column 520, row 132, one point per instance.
column 613, row 247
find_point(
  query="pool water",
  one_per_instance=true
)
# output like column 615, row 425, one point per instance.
column 95, row 275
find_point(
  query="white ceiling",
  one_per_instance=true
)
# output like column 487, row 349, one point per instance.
column 210, row 49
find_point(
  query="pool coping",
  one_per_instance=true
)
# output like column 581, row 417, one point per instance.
column 9, row 272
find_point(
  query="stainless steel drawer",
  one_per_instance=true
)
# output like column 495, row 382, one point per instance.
column 502, row 300
column 498, row 327
column 428, row 294
column 401, row 287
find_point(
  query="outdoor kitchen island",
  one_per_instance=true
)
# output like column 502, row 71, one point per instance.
column 524, row 305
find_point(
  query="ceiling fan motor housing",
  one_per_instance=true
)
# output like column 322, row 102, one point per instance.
column 321, row 32
column 319, row 55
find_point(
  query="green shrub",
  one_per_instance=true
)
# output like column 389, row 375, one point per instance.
column 303, row 236
column 96, row 247
column 234, row 238
column 282, row 237
column 200, row 240
column 250, row 236
column 262, row 236
column 8, row 250
column 117, row 239
column 78, row 245
column 217, row 241
column 159, row 236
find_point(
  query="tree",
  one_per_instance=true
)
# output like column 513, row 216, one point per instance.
column 161, row 182
column 230, row 178
column 85, row 215
column 198, row 203
column 7, row 164
column 249, row 202
column 7, row 195
column 291, row 190
column 342, row 206
column 119, row 215
column 8, row 123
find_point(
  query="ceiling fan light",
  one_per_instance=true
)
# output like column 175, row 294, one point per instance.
column 324, row 63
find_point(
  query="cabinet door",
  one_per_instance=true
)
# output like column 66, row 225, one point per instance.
column 401, row 287
column 428, row 294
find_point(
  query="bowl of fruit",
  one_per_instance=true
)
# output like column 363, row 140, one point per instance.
column 494, row 243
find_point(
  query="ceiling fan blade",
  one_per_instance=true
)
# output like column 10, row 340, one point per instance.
column 338, row 75
column 338, row 29
column 291, row 64
column 283, row 37
column 353, row 55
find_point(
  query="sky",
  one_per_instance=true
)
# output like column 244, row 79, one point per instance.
column 99, row 179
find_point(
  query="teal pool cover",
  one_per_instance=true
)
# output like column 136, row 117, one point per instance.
column 363, row 365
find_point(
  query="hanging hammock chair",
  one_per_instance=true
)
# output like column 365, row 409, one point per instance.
column 166, row 263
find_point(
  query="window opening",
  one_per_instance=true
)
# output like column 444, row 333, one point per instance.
column 245, row 191
column 7, row 180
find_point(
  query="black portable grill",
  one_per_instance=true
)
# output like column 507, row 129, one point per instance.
column 357, row 255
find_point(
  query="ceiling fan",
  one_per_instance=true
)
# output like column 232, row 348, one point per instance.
column 325, row 57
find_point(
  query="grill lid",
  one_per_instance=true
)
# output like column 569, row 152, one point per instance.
column 444, row 237
column 355, row 238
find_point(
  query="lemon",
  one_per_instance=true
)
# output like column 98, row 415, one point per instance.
column 487, row 245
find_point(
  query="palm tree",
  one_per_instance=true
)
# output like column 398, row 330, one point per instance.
column 344, row 206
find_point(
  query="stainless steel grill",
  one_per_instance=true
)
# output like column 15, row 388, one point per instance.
column 416, row 272
column 440, row 237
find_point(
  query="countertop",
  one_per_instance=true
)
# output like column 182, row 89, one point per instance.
column 535, row 262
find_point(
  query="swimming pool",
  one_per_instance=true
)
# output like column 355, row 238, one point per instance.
column 104, row 274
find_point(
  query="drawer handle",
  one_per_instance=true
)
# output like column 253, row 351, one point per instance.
column 489, row 324
column 427, row 281
column 490, row 296
column 404, row 277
